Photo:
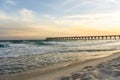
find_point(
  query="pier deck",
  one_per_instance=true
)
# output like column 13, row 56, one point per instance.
column 105, row 37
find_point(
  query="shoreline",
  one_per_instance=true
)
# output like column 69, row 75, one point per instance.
column 53, row 74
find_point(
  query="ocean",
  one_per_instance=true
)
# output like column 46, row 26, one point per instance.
column 24, row 55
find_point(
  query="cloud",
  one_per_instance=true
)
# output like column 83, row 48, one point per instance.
column 26, row 12
column 105, row 21
column 22, row 16
column 90, row 5
column 26, row 22
column 111, row 1
column 94, row 15
column 10, row 2
column 4, row 16
column 27, row 15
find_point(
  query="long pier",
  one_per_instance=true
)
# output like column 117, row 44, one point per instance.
column 105, row 37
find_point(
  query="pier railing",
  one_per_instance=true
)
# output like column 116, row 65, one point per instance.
column 106, row 37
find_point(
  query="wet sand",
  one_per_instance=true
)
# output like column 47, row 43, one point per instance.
column 58, row 73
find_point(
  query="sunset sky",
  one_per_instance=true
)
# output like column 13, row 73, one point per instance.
column 38, row 19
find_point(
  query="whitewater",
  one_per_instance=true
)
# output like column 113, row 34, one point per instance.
column 19, row 56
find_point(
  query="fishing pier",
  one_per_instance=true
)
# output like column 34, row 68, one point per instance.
column 105, row 37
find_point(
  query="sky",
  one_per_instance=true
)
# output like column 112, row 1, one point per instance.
column 38, row 19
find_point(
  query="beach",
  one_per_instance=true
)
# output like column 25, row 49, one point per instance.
column 59, row 39
column 56, row 60
column 67, row 72
column 106, row 68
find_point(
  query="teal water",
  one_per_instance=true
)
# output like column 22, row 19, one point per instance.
column 19, row 48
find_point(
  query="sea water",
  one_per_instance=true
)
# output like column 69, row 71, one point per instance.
column 18, row 56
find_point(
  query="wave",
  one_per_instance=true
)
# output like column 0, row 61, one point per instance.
column 19, row 48
column 3, row 45
column 33, row 42
column 24, row 55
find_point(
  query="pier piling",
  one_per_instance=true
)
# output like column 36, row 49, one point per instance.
column 106, row 37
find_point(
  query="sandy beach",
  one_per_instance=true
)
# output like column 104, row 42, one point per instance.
column 87, row 69
column 59, row 61
column 59, row 39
